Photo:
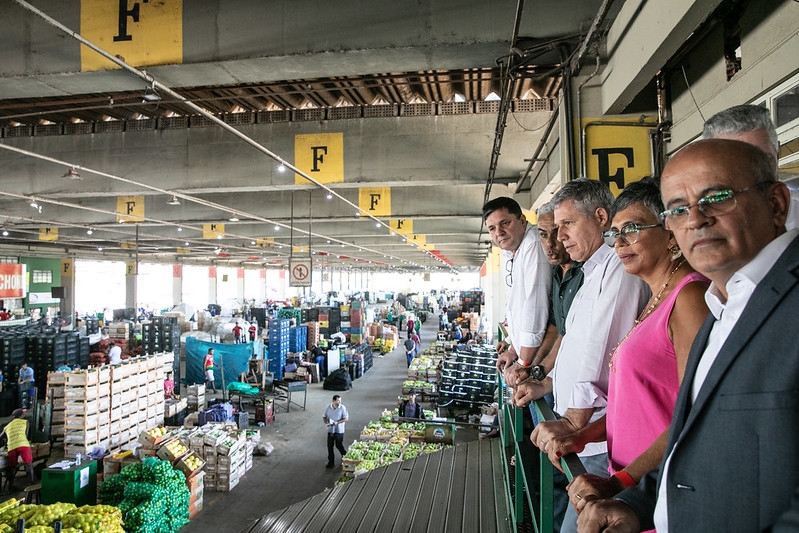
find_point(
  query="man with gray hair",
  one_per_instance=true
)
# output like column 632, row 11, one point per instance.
column 603, row 311
column 752, row 124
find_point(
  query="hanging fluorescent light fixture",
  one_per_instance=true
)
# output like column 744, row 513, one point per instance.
column 173, row 201
column 72, row 174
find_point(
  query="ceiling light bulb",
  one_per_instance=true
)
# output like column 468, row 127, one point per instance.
column 99, row 249
column 186, row 243
column 89, row 231
column 281, row 167
column 329, row 196
column 5, row 233
column 377, row 224
column 173, row 201
column 233, row 219
column 252, row 243
column 277, row 228
column 219, row 236
column 180, row 229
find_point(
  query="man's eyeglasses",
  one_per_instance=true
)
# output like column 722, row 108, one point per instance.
column 712, row 205
column 509, row 275
column 628, row 233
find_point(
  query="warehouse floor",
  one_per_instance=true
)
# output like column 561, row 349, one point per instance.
column 296, row 469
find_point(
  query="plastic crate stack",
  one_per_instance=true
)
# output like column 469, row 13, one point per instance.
column 278, row 346
column 84, row 349
column 345, row 320
column 356, row 321
column 14, row 355
column 313, row 334
column 324, row 322
column 469, row 379
column 92, row 325
column 72, row 348
column 298, row 338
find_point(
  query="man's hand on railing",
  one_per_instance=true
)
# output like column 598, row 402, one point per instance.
column 528, row 391
column 590, row 487
column 607, row 516
column 506, row 355
column 515, row 374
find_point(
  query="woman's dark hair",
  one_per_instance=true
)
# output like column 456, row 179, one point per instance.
column 646, row 191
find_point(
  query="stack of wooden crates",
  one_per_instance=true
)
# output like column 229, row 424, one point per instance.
column 110, row 405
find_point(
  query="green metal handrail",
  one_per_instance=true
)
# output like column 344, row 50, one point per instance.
column 511, row 431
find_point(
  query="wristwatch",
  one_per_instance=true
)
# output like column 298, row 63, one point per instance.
column 538, row 373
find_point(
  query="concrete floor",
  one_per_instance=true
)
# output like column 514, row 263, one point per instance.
column 296, row 469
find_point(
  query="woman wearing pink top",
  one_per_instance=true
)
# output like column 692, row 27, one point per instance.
column 646, row 368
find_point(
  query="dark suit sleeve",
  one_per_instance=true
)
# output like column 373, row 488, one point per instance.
column 789, row 520
column 642, row 498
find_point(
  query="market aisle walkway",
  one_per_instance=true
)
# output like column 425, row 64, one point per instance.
column 296, row 469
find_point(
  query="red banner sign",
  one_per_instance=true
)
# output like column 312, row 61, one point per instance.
column 12, row 280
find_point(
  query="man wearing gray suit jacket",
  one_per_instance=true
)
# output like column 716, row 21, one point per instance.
column 732, row 460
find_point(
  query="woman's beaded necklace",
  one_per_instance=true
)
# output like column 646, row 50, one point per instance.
column 648, row 310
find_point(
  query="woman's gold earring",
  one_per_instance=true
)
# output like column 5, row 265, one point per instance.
column 676, row 253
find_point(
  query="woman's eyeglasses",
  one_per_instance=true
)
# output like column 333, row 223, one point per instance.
column 628, row 233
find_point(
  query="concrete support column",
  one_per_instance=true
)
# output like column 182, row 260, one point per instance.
column 212, row 289
column 131, row 285
column 177, row 284
column 261, row 295
column 240, row 284
column 67, row 306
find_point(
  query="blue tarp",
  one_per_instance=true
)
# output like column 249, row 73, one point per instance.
column 235, row 358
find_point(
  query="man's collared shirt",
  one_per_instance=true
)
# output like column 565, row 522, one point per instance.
column 603, row 311
column 739, row 290
column 564, row 288
column 336, row 413
column 527, row 308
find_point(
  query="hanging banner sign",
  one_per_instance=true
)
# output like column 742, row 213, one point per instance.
column 130, row 209
column 12, row 280
column 321, row 156
column 376, row 201
column 144, row 33
column 403, row 226
column 213, row 231
column 48, row 234
column 300, row 272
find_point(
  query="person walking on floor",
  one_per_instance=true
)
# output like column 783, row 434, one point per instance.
column 410, row 350
column 208, row 366
column 335, row 416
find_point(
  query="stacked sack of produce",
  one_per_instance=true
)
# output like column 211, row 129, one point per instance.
column 41, row 518
column 152, row 496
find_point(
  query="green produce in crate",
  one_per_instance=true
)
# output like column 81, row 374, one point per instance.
column 45, row 515
column 354, row 454
column 406, row 426
column 372, row 456
column 410, row 454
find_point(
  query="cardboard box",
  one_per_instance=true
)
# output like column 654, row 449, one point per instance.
column 195, row 507
column 166, row 453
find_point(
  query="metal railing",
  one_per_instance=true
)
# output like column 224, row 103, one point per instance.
column 520, row 491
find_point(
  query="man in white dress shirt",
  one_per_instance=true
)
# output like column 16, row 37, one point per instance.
column 528, row 279
column 603, row 311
